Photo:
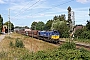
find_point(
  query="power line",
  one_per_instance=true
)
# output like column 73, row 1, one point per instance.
column 58, row 5
column 28, row 7
column 49, row 8
column 55, row 6
column 45, row 9
column 24, row 6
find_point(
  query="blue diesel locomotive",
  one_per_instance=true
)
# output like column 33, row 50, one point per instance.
column 50, row 36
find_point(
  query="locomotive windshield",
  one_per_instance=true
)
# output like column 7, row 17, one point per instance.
column 55, row 33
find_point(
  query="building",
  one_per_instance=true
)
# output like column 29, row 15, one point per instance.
column 78, row 27
column 5, row 29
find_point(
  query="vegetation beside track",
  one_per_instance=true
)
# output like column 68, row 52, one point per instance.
column 66, row 51
column 35, row 49
column 13, row 48
column 83, row 40
column 78, row 40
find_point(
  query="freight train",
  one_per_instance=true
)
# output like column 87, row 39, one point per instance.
column 50, row 36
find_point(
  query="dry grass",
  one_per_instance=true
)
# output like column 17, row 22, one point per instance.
column 4, row 44
column 31, row 44
column 37, row 45
column 34, row 45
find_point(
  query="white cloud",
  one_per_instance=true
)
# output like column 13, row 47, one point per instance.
column 1, row 2
column 83, row 1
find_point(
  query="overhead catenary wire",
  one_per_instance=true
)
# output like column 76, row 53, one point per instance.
column 54, row 6
column 28, row 7
column 20, row 10
column 57, row 5
column 46, row 9
column 24, row 7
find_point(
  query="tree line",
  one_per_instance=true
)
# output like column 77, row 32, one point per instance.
column 57, row 23
column 60, row 23
column 1, row 23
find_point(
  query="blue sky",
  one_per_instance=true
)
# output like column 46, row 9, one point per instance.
column 24, row 12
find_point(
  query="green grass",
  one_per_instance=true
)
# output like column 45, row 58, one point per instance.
column 78, row 40
column 83, row 40
column 59, row 54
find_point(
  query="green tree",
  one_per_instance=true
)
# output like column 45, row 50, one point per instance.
column 62, row 17
column 26, row 27
column 18, row 27
column 55, row 18
column 82, row 34
column 62, row 27
column 10, row 24
column 1, row 23
column 48, row 25
column 40, row 25
column 33, row 25
column 85, row 35
column 60, row 24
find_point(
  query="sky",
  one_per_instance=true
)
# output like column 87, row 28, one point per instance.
column 24, row 12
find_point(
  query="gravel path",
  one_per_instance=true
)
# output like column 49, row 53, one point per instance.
column 1, row 37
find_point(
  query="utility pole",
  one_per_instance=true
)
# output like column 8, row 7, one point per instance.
column 73, row 24
column 9, row 25
column 89, row 11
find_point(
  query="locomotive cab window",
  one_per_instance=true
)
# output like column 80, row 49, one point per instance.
column 56, row 32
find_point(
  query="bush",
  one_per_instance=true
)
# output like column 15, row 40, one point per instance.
column 3, row 54
column 19, row 43
column 82, row 33
column 68, row 45
column 59, row 54
column 11, row 44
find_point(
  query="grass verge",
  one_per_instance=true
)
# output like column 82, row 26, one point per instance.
column 30, row 45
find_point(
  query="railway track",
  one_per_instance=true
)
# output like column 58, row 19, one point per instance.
column 78, row 44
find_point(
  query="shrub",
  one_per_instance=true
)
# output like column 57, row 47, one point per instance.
column 59, row 54
column 3, row 54
column 68, row 45
column 11, row 44
column 19, row 43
